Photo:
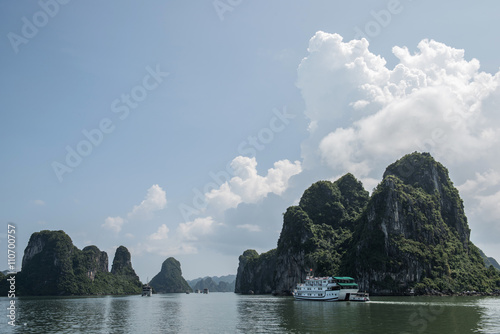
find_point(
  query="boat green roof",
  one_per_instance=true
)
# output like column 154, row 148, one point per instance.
column 350, row 278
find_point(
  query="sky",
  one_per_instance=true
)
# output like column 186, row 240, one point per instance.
column 186, row 129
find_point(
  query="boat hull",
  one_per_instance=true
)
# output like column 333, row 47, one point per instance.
column 328, row 296
column 321, row 299
column 329, row 289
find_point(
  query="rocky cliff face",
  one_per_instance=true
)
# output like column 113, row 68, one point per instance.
column 52, row 265
column 421, row 171
column 170, row 279
column 294, row 244
column 122, row 264
column 411, row 234
column 256, row 272
column 314, row 236
column 47, row 264
column 413, row 228
column 97, row 261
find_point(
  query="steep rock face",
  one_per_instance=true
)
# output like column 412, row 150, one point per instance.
column 170, row 279
column 410, row 235
column 420, row 170
column 413, row 233
column 52, row 265
column 256, row 272
column 314, row 235
column 97, row 261
column 293, row 244
column 47, row 264
column 122, row 264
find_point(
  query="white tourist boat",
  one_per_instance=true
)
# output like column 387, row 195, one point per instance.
column 147, row 290
column 329, row 289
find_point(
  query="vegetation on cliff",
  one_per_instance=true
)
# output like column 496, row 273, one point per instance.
column 52, row 265
column 414, row 235
column 411, row 234
column 314, row 235
column 170, row 279
column 256, row 272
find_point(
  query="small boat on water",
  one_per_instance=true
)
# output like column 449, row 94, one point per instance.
column 359, row 297
column 329, row 289
column 147, row 290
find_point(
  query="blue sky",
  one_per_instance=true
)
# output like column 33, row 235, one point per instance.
column 157, row 99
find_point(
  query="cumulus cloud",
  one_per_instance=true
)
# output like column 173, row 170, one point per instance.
column 155, row 200
column 250, row 227
column 430, row 101
column 482, row 196
column 160, row 234
column 186, row 238
column 480, row 183
column 364, row 115
column 192, row 230
column 164, row 249
column 249, row 187
column 113, row 224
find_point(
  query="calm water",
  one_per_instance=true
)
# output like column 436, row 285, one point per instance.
column 231, row 313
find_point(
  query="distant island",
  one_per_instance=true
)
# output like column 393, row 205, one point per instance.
column 214, row 283
column 53, row 266
column 410, row 236
column 169, row 279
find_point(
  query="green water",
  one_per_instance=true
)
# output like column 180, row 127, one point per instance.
column 231, row 313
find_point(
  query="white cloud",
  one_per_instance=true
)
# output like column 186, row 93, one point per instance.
column 164, row 249
column 186, row 239
column 39, row 202
column 490, row 207
column 364, row 116
column 155, row 200
column 481, row 182
column 431, row 101
column 192, row 230
column 250, row 227
column 160, row 234
column 249, row 187
column 113, row 223
column 482, row 196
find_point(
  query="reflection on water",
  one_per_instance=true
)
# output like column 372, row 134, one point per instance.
column 489, row 311
column 262, row 314
column 231, row 313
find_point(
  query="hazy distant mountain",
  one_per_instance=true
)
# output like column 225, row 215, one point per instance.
column 489, row 261
column 214, row 283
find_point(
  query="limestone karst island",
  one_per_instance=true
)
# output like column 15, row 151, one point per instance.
column 410, row 236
